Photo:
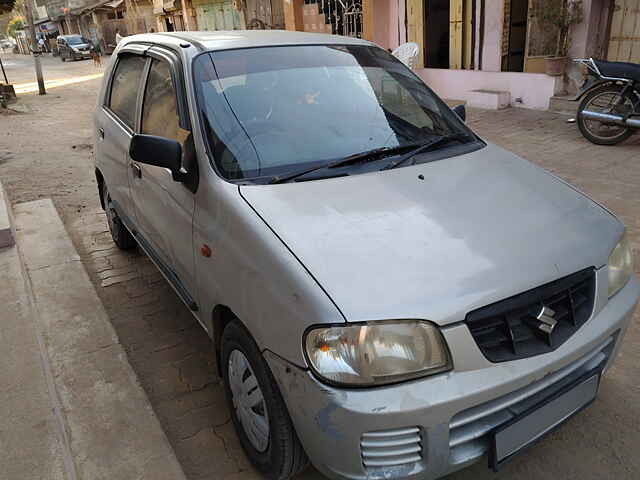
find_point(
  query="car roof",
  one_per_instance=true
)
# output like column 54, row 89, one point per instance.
column 225, row 40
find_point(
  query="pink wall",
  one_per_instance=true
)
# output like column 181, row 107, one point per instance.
column 381, row 22
column 385, row 23
column 535, row 89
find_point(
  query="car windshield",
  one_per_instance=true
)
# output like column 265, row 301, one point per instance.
column 76, row 40
column 270, row 111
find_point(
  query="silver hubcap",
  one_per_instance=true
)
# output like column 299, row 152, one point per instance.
column 248, row 401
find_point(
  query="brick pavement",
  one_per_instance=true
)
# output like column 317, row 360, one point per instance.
column 168, row 350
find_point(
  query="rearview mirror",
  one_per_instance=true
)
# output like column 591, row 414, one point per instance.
column 461, row 111
column 157, row 151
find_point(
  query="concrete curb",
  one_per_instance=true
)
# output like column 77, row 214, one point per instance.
column 107, row 428
column 7, row 230
column 30, row 441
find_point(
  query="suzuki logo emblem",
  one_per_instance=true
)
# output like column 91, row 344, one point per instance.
column 545, row 317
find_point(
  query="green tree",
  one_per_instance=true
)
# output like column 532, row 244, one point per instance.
column 16, row 23
column 560, row 15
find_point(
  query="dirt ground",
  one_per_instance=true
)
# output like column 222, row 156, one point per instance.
column 46, row 152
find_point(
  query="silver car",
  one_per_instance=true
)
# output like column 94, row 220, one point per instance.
column 388, row 295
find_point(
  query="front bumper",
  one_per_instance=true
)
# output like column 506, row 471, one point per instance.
column 440, row 424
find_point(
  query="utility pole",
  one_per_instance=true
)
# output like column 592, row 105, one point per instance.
column 4, row 74
column 34, row 46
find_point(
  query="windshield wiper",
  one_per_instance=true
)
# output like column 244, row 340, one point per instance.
column 425, row 147
column 341, row 162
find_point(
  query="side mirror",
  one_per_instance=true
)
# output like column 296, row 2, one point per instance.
column 159, row 152
column 461, row 111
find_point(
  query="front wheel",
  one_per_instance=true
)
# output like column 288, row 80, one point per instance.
column 258, row 412
column 606, row 99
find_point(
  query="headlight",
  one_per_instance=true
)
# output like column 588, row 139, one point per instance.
column 75, row 49
column 376, row 353
column 620, row 266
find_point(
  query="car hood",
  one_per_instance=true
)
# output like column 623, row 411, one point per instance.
column 478, row 228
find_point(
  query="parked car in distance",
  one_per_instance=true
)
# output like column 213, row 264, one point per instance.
column 7, row 43
column 388, row 295
column 73, row 47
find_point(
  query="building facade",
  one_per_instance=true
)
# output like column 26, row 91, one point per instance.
column 467, row 46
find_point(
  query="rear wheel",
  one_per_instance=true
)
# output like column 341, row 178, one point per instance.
column 258, row 412
column 62, row 57
column 605, row 99
column 119, row 233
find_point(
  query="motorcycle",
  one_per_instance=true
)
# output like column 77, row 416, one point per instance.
column 609, row 112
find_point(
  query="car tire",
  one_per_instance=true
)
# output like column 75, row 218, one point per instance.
column 62, row 57
column 119, row 233
column 277, row 453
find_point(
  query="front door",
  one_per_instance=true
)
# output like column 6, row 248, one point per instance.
column 164, row 207
column 515, row 24
column 115, row 126
column 447, row 33
column 437, row 33
column 63, row 49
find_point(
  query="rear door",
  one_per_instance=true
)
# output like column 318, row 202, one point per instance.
column 164, row 208
column 115, row 126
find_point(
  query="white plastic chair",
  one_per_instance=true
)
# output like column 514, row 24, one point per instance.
column 407, row 53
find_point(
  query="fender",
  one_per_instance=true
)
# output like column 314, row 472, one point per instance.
column 591, row 83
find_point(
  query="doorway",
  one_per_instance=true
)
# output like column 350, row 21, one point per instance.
column 515, row 21
column 437, row 33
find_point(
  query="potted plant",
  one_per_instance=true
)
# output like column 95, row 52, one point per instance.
column 559, row 15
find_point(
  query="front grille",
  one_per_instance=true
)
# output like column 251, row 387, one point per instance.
column 389, row 448
column 508, row 329
column 470, row 430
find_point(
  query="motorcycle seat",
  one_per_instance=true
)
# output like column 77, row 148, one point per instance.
column 619, row 69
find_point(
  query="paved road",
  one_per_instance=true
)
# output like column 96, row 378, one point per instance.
column 46, row 153
column 20, row 68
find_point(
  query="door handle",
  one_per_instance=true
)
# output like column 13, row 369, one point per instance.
column 137, row 170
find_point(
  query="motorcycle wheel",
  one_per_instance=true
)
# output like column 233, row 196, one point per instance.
column 603, row 100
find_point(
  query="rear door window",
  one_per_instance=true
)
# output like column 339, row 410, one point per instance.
column 124, row 88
